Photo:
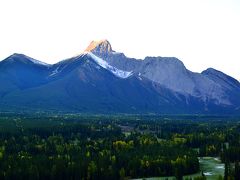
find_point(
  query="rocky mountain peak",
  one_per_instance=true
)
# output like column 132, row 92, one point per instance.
column 102, row 46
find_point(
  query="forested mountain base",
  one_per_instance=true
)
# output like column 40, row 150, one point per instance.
column 113, row 147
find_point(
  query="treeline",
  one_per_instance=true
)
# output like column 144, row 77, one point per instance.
column 93, row 150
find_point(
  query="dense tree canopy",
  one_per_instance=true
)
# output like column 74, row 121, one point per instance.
column 111, row 147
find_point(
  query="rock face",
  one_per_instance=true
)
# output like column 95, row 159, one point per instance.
column 172, row 74
column 101, row 80
column 102, row 47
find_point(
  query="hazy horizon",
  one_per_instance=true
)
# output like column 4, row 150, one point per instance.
column 201, row 34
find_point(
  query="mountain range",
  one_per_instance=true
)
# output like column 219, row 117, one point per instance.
column 101, row 80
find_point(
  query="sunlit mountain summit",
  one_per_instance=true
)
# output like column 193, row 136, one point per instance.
column 101, row 80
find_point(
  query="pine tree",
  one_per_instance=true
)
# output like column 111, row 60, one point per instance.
column 237, row 170
column 226, row 172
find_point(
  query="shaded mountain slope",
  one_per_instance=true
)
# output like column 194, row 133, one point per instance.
column 101, row 80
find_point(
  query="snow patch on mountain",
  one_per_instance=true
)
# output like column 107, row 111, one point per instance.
column 54, row 72
column 117, row 72
column 38, row 62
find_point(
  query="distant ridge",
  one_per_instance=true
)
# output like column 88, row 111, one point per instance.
column 101, row 80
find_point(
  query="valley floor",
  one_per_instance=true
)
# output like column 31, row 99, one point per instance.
column 118, row 147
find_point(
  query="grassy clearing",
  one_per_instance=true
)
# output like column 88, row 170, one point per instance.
column 211, row 167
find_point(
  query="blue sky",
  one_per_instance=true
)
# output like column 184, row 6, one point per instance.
column 201, row 33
